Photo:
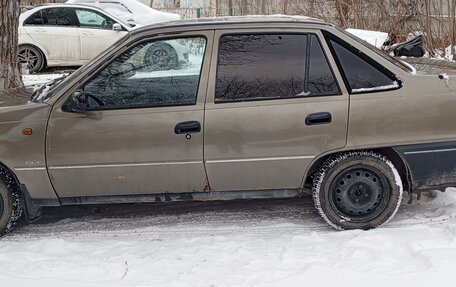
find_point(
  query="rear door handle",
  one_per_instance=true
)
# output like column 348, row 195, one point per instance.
column 318, row 118
column 187, row 127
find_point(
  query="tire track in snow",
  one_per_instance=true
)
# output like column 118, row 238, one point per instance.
column 253, row 217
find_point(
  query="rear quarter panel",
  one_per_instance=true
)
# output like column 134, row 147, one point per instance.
column 418, row 120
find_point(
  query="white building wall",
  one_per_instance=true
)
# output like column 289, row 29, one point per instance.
column 195, row 3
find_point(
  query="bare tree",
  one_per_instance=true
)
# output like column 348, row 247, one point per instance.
column 10, row 76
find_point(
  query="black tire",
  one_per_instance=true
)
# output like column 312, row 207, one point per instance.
column 31, row 56
column 11, row 202
column 357, row 190
column 161, row 56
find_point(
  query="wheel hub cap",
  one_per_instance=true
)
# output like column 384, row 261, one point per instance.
column 28, row 57
column 359, row 192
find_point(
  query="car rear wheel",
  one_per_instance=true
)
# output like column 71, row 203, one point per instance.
column 31, row 56
column 10, row 205
column 357, row 190
column 161, row 56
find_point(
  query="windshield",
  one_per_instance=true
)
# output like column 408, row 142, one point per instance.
column 59, row 84
column 379, row 52
column 114, row 6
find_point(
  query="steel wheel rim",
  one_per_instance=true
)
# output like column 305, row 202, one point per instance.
column 29, row 57
column 360, row 193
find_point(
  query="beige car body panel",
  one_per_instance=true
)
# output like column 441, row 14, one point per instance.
column 422, row 110
column 270, row 137
column 107, row 153
column 127, row 151
column 24, row 154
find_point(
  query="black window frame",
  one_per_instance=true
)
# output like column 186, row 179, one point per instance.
column 307, row 66
column 357, row 52
column 128, row 47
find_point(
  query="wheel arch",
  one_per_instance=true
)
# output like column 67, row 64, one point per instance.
column 397, row 160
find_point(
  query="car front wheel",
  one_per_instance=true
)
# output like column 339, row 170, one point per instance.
column 10, row 204
column 357, row 190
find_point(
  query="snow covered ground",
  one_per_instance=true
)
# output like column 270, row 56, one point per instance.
column 242, row 243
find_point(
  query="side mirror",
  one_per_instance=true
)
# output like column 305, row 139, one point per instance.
column 116, row 27
column 78, row 103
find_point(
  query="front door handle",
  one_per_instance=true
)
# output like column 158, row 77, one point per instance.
column 318, row 119
column 187, row 127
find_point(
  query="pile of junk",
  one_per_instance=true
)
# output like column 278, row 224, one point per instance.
column 413, row 47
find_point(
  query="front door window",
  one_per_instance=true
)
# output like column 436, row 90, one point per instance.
column 152, row 74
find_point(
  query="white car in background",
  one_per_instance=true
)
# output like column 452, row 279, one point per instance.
column 130, row 11
column 71, row 35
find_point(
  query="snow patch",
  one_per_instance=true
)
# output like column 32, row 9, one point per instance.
column 394, row 85
column 413, row 72
column 39, row 79
column 374, row 38
column 303, row 94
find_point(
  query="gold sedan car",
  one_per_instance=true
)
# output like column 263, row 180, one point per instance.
column 266, row 107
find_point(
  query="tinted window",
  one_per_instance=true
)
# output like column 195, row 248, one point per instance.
column 152, row 74
column 321, row 80
column 360, row 72
column 378, row 51
column 58, row 17
column 35, row 19
column 114, row 8
column 90, row 19
column 271, row 66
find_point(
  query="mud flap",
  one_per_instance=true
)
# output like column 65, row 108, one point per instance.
column 31, row 210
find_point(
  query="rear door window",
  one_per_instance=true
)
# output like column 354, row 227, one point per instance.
column 35, row 19
column 272, row 66
column 321, row 80
column 60, row 16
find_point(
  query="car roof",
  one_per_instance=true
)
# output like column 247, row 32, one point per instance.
column 229, row 20
column 63, row 5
